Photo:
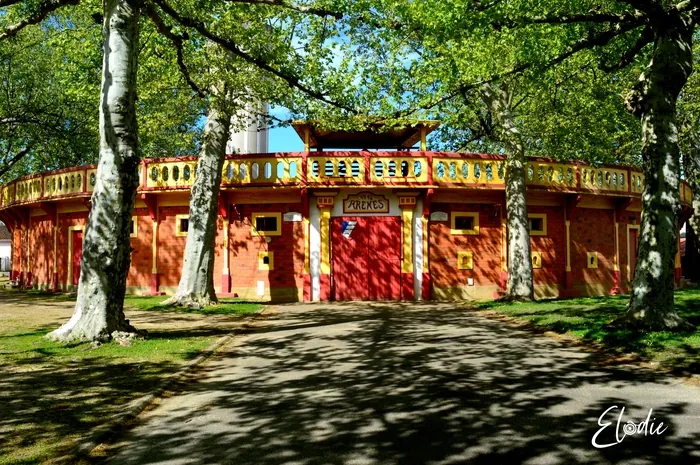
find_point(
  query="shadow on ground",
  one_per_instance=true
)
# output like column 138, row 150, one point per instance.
column 410, row 384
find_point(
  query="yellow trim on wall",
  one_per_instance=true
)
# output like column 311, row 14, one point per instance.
column 465, row 260
column 226, row 224
column 504, row 243
column 325, row 240
column 543, row 217
column 468, row 232
column 307, row 258
column 536, row 258
column 426, row 250
column 407, row 229
column 178, row 220
column 568, row 244
column 154, row 245
column 253, row 220
column 616, row 258
column 270, row 265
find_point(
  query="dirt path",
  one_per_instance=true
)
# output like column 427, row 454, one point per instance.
column 24, row 311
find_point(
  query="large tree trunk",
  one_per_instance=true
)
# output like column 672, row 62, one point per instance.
column 654, row 99
column 106, row 249
column 520, row 285
column 196, row 288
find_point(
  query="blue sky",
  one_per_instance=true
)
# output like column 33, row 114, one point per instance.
column 285, row 140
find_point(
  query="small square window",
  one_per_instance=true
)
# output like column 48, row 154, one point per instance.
column 133, row 227
column 267, row 224
column 538, row 224
column 182, row 225
column 465, row 223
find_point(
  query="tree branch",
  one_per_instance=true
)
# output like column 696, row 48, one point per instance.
column 627, row 58
column 21, row 154
column 299, row 8
column 177, row 41
column 591, row 17
column 597, row 39
column 231, row 46
column 46, row 8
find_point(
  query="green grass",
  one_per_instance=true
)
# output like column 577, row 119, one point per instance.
column 225, row 307
column 586, row 319
column 53, row 394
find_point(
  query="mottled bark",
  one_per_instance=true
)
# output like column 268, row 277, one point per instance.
column 654, row 100
column 520, row 284
column 106, row 249
column 196, row 287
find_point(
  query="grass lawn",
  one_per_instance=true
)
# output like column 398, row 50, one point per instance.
column 586, row 318
column 225, row 307
column 52, row 394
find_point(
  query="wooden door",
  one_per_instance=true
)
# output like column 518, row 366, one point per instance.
column 349, row 236
column 77, row 255
column 366, row 258
column 385, row 258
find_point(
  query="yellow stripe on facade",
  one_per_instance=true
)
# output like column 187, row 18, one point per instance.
column 325, row 240
column 407, row 261
column 307, row 260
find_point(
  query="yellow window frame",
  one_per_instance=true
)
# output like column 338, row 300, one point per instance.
column 254, row 217
column 178, row 220
column 464, row 232
column 543, row 217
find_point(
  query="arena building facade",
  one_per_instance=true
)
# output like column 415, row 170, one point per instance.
column 392, row 223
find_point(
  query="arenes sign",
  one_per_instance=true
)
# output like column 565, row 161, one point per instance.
column 365, row 202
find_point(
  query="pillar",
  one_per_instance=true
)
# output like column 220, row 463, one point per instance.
column 569, row 278
column 503, row 282
column 325, row 204
column 616, row 261
column 407, row 205
column 54, row 278
column 226, row 272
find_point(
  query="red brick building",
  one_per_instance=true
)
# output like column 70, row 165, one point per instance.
column 340, row 225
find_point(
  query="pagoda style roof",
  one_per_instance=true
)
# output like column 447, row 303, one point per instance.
column 375, row 136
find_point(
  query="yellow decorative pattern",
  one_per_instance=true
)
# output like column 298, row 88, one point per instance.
column 465, row 171
column 344, row 170
column 404, row 169
column 551, row 175
column 262, row 171
column 407, row 227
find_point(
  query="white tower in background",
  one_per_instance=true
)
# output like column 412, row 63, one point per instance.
column 252, row 139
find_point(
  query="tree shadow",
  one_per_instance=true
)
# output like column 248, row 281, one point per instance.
column 404, row 383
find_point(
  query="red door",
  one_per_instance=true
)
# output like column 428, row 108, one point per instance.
column 633, row 251
column 385, row 258
column 366, row 258
column 77, row 255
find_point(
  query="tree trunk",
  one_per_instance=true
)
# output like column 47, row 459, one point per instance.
column 106, row 249
column 654, row 99
column 520, row 285
column 196, row 288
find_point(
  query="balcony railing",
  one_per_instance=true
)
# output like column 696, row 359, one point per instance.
column 337, row 169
